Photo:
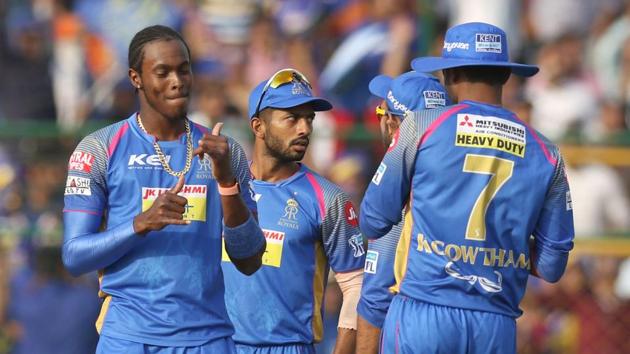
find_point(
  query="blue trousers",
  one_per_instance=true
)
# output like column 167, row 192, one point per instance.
column 416, row 327
column 276, row 349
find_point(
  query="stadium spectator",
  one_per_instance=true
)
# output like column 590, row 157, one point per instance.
column 466, row 237
column 406, row 93
column 26, row 90
column 159, row 253
column 563, row 79
column 49, row 312
column 310, row 225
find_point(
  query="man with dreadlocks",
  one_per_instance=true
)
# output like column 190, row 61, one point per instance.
column 159, row 251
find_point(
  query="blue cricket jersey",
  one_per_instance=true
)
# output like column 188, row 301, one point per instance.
column 168, row 289
column 309, row 224
column 479, row 182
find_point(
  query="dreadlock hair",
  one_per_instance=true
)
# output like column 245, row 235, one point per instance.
column 150, row 34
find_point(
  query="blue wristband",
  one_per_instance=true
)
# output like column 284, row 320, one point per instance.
column 244, row 240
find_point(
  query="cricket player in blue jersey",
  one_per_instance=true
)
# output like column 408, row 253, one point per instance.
column 411, row 91
column 144, row 211
column 309, row 224
column 479, row 183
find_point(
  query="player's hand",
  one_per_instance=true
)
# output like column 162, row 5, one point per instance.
column 217, row 147
column 167, row 209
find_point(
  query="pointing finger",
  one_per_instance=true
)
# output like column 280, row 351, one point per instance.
column 178, row 187
column 217, row 129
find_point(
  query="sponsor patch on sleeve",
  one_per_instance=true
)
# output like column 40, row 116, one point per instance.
column 356, row 241
column 491, row 133
column 81, row 161
column 351, row 214
column 378, row 176
column 371, row 261
column 569, row 201
column 77, row 186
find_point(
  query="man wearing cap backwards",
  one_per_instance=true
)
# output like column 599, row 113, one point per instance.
column 309, row 224
column 411, row 91
column 479, row 182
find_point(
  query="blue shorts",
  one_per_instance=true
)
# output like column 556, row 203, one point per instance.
column 413, row 327
column 109, row 345
column 275, row 349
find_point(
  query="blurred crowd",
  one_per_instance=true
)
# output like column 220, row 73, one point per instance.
column 64, row 63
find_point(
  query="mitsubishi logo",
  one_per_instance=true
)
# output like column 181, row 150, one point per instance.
column 466, row 121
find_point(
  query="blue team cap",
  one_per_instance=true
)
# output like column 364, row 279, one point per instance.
column 285, row 89
column 411, row 91
column 473, row 44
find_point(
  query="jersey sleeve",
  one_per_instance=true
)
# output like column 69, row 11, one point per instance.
column 554, row 231
column 240, row 168
column 389, row 189
column 86, row 185
column 342, row 239
column 378, row 277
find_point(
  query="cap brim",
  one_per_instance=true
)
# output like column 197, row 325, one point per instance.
column 318, row 104
column 431, row 64
column 379, row 85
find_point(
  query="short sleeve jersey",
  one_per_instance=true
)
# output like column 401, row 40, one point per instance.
column 168, row 289
column 479, row 182
column 309, row 225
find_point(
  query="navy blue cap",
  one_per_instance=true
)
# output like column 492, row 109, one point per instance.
column 473, row 44
column 411, row 91
column 288, row 95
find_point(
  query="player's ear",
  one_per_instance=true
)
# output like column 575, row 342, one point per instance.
column 257, row 126
column 134, row 78
column 393, row 122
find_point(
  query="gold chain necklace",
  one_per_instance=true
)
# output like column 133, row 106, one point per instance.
column 160, row 154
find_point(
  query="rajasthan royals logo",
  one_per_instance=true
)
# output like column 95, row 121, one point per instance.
column 289, row 219
column 300, row 89
column 356, row 241
column 205, row 168
column 290, row 211
column 205, row 165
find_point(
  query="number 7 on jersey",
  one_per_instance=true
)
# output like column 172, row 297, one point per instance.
column 501, row 171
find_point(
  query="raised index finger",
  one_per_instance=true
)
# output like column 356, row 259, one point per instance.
column 216, row 130
column 178, row 187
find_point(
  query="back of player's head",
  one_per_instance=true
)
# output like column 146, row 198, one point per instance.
column 410, row 91
column 147, row 35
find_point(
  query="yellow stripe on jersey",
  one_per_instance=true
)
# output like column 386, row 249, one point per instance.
column 101, row 316
column 402, row 250
column 319, row 282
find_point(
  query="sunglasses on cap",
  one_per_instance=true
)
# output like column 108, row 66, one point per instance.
column 280, row 78
column 382, row 111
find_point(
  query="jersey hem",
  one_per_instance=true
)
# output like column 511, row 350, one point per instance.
column 160, row 342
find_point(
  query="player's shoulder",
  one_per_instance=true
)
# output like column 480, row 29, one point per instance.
column 434, row 113
column 101, row 138
column 328, row 188
column 331, row 192
column 553, row 148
